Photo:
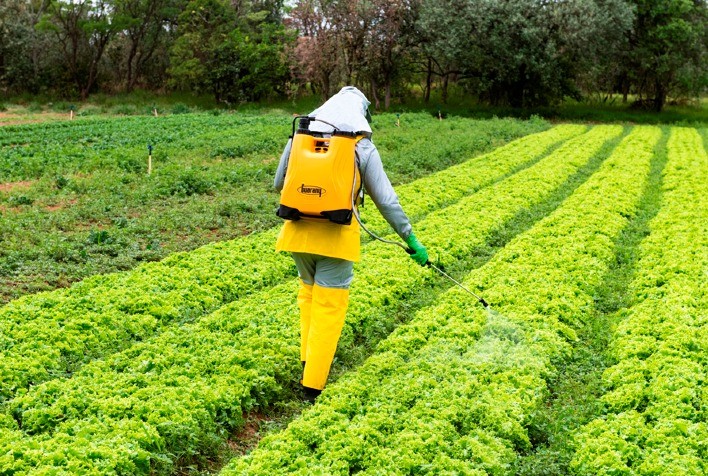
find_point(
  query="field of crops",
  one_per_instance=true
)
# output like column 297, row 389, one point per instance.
column 589, row 242
column 76, row 200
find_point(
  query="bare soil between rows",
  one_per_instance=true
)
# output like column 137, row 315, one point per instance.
column 10, row 186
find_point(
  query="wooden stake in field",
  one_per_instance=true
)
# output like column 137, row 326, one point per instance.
column 149, row 159
column 71, row 112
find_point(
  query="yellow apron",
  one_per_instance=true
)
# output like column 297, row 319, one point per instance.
column 321, row 238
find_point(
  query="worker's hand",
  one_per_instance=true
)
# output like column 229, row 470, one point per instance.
column 417, row 251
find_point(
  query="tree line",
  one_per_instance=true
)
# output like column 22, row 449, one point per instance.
column 520, row 53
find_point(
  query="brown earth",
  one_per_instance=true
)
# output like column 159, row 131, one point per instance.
column 249, row 435
column 10, row 186
column 60, row 205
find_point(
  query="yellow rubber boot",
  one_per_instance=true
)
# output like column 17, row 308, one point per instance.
column 329, row 307
column 304, row 302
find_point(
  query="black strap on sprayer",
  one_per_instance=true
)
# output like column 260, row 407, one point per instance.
column 304, row 128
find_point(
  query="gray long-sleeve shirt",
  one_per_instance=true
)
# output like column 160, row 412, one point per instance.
column 375, row 181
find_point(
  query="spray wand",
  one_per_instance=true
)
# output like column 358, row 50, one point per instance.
column 428, row 263
column 459, row 284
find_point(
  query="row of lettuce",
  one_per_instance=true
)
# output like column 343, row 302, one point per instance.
column 51, row 335
column 175, row 397
column 34, row 151
column 49, row 149
column 656, row 406
column 453, row 391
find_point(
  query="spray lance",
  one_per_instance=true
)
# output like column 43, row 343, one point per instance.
column 428, row 263
column 459, row 284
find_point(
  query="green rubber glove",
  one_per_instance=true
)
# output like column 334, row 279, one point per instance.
column 420, row 254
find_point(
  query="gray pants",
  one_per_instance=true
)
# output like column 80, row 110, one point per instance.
column 324, row 271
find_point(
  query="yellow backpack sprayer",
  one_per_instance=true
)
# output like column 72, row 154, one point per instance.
column 322, row 181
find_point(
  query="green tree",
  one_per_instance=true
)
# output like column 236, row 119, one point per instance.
column 668, row 47
column 202, row 26
column 23, row 50
column 595, row 35
column 230, row 49
column 506, row 52
column 146, row 26
column 518, row 52
column 82, row 29
column 250, row 67
column 388, row 43
column 442, row 41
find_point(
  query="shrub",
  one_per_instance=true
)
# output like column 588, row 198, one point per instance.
column 180, row 108
column 20, row 200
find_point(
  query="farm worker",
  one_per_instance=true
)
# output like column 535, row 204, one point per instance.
column 325, row 252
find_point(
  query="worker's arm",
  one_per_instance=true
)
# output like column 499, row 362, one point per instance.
column 379, row 188
column 282, row 167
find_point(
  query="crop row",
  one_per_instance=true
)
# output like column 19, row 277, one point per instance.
column 114, row 148
column 49, row 149
column 656, row 412
column 452, row 392
column 51, row 335
column 177, row 395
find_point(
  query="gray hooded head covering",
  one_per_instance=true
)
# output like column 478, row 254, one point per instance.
column 347, row 110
